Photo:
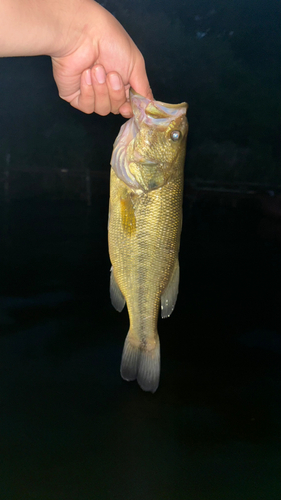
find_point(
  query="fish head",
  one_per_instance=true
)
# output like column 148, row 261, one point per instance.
column 149, row 145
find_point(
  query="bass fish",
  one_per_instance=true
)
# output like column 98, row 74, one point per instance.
column 144, row 227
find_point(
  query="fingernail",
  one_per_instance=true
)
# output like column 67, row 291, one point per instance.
column 115, row 82
column 99, row 74
column 88, row 77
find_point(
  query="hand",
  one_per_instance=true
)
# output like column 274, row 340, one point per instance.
column 98, row 64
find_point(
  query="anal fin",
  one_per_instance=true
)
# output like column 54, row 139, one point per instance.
column 169, row 296
column 116, row 296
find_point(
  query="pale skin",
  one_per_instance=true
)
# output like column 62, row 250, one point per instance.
column 95, row 61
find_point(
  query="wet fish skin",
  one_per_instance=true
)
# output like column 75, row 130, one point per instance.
column 145, row 219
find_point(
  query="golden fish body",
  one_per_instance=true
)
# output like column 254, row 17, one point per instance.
column 145, row 218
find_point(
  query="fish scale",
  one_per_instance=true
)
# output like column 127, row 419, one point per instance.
column 144, row 232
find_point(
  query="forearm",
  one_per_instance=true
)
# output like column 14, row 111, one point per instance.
column 40, row 27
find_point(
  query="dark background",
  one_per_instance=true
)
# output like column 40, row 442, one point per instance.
column 70, row 427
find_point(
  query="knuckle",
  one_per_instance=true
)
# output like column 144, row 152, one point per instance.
column 103, row 112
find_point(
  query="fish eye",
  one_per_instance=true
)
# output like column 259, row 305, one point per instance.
column 175, row 135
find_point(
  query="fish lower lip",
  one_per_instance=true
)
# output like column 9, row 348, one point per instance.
column 148, row 163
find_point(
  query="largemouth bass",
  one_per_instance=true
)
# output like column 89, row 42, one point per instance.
column 145, row 219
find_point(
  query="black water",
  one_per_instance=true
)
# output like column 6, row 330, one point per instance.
column 72, row 429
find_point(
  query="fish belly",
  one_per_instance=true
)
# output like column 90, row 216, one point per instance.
column 144, row 234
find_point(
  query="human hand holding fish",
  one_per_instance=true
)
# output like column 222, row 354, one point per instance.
column 95, row 61
column 97, row 73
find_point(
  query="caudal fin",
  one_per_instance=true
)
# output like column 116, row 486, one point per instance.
column 139, row 362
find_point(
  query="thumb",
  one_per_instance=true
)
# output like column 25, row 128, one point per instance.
column 138, row 79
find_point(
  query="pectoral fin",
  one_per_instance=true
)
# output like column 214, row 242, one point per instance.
column 116, row 296
column 169, row 296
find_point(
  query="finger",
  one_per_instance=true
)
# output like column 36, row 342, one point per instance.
column 138, row 79
column 116, row 91
column 127, row 91
column 85, row 100
column 126, row 110
column 102, row 100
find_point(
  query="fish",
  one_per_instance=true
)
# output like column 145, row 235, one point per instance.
column 144, row 228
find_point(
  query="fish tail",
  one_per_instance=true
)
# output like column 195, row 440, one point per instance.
column 141, row 362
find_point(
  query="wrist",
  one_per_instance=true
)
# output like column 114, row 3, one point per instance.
column 77, row 22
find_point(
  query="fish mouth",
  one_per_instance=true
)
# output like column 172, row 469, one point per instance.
column 133, row 93
column 155, row 112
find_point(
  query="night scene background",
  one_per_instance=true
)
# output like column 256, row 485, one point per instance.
column 70, row 427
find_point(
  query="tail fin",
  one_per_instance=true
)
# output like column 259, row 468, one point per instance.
column 142, row 364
